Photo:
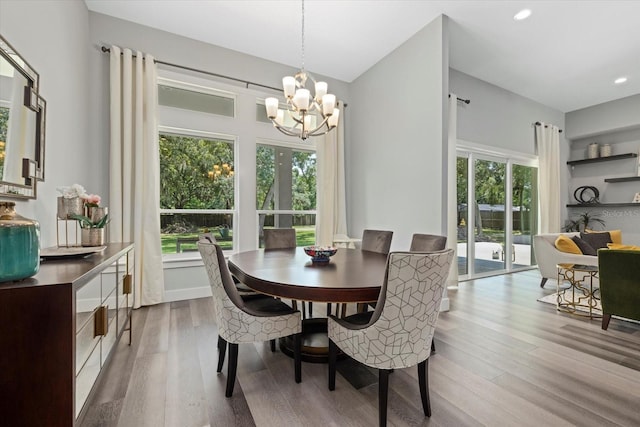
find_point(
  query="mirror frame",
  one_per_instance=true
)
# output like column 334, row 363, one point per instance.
column 32, row 169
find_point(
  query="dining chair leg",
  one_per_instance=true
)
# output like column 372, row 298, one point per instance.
column 272, row 343
column 333, row 355
column 231, row 369
column 304, row 310
column 383, row 389
column 423, row 379
column 433, row 346
column 310, row 309
column 297, row 356
column 328, row 309
column 222, row 349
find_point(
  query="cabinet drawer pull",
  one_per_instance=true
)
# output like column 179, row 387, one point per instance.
column 126, row 284
column 101, row 321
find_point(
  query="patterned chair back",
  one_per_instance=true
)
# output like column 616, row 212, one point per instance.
column 235, row 322
column 403, row 324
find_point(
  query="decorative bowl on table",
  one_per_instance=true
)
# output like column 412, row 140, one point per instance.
column 320, row 254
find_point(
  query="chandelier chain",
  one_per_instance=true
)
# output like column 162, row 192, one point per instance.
column 302, row 35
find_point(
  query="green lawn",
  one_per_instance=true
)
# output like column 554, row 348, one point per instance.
column 305, row 236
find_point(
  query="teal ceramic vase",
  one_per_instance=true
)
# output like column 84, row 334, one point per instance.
column 19, row 244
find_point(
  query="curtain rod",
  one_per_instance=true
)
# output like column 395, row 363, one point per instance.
column 209, row 73
column 540, row 124
column 466, row 101
column 105, row 49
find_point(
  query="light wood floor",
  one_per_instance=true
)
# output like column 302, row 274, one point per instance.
column 503, row 359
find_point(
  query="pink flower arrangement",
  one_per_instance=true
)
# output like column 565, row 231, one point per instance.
column 92, row 200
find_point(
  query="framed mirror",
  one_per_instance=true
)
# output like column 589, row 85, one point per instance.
column 22, row 125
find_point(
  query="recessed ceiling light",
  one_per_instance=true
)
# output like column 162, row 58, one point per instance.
column 620, row 80
column 523, row 14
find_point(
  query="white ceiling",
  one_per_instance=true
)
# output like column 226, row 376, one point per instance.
column 566, row 55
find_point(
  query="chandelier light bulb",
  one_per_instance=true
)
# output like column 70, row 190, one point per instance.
column 301, row 99
column 271, row 105
column 328, row 104
column 289, row 86
column 333, row 120
column 321, row 90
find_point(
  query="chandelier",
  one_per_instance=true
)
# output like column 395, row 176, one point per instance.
column 302, row 108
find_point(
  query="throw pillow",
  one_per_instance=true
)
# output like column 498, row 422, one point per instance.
column 623, row 247
column 585, row 247
column 616, row 235
column 597, row 240
column 565, row 244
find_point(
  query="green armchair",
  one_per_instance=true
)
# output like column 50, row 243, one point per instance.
column 619, row 272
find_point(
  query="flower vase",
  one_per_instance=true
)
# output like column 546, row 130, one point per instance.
column 92, row 237
column 68, row 206
column 95, row 214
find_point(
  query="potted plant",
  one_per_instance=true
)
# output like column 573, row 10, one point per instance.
column 92, row 223
column 582, row 222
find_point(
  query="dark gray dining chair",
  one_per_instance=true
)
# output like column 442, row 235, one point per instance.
column 279, row 238
column 284, row 238
column 376, row 241
column 427, row 243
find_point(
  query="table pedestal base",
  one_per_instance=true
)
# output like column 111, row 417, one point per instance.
column 315, row 342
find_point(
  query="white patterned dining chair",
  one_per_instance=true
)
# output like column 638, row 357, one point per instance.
column 400, row 331
column 245, row 321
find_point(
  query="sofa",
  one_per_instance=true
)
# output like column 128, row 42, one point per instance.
column 548, row 256
column 619, row 272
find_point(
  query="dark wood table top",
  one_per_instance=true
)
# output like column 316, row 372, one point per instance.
column 352, row 275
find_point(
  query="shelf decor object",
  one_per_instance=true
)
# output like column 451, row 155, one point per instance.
column 19, row 244
column 592, row 150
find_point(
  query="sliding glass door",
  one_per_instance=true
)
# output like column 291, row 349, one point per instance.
column 497, row 213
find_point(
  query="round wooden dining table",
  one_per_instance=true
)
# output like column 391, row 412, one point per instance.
column 351, row 276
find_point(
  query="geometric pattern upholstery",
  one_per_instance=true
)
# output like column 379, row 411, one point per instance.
column 237, row 323
column 401, row 329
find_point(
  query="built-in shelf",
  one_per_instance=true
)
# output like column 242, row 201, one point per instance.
column 602, row 159
column 624, row 179
column 603, row 205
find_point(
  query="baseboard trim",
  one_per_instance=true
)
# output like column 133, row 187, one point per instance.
column 188, row 293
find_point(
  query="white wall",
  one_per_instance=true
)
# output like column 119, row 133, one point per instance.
column 53, row 36
column 613, row 116
column 497, row 117
column 396, row 140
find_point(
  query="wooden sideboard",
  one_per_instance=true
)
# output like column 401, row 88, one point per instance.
column 57, row 331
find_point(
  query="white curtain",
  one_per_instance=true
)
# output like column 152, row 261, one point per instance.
column 452, row 182
column 548, row 146
column 134, row 194
column 331, row 217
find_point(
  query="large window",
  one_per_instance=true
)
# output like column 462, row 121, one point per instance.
column 197, row 181
column 286, row 190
